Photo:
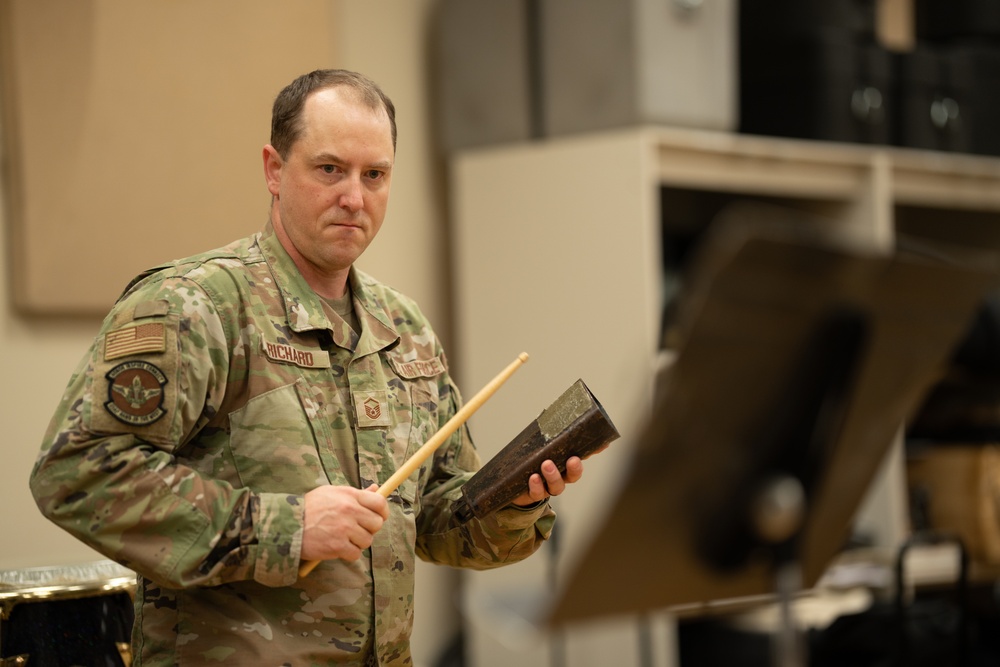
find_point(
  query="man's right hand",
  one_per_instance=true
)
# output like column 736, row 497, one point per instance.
column 341, row 521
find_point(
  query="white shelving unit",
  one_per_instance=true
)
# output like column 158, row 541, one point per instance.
column 558, row 253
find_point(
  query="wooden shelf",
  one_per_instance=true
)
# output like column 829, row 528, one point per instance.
column 559, row 251
column 760, row 165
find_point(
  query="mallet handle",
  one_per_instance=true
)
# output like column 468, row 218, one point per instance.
column 437, row 439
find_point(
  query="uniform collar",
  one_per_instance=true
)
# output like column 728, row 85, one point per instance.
column 377, row 328
column 304, row 309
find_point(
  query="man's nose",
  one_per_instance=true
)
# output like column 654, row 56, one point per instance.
column 352, row 198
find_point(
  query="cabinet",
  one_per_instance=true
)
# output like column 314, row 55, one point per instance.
column 558, row 251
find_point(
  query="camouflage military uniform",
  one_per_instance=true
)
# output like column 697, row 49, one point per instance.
column 219, row 390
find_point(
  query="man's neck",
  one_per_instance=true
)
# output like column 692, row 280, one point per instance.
column 325, row 284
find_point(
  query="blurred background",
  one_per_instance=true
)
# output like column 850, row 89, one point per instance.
column 558, row 162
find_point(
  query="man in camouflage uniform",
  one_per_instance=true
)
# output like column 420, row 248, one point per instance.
column 239, row 408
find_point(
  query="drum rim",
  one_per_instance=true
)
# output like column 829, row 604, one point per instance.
column 63, row 583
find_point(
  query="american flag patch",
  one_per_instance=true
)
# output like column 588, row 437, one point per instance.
column 133, row 340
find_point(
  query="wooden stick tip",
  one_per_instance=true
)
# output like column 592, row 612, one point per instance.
column 523, row 357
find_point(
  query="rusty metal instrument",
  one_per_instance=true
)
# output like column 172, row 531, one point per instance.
column 574, row 425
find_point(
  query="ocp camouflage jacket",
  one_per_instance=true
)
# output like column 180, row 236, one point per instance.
column 219, row 390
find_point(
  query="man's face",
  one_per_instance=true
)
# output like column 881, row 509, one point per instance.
column 332, row 189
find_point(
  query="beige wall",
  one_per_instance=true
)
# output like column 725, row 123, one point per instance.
column 385, row 40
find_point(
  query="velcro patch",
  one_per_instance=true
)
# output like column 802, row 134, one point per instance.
column 151, row 309
column 418, row 368
column 294, row 355
column 372, row 408
column 138, row 339
column 135, row 393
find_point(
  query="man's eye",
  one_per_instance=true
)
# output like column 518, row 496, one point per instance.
column 374, row 174
column 328, row 168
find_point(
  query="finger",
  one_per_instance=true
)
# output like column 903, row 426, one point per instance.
column 536, row 487
column 553, row 478
column 361, row 538
column 350, row 552
column 346, row 545
column 574, row 469
column 374, row 502
column 371, row 522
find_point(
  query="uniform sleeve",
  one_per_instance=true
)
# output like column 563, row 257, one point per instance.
column 506, row 536
column 121, row 467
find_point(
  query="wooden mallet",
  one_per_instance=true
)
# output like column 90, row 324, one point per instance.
column 438, row 439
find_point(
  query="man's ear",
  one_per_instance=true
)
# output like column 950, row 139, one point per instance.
column 272, row 169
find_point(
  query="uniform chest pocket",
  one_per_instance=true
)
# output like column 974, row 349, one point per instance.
column 423, row 414
column 417, row 418
column 415, row 423
column 273, row 442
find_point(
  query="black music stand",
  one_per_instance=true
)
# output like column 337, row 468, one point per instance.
column 800, row 360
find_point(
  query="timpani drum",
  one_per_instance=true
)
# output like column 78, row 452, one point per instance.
column 69, row 616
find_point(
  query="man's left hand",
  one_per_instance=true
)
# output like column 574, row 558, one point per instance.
column 549, row 482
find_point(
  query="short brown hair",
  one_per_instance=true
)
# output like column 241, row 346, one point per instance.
column 286, row 113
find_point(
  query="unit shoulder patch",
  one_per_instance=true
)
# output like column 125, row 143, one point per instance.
column 135, row 393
